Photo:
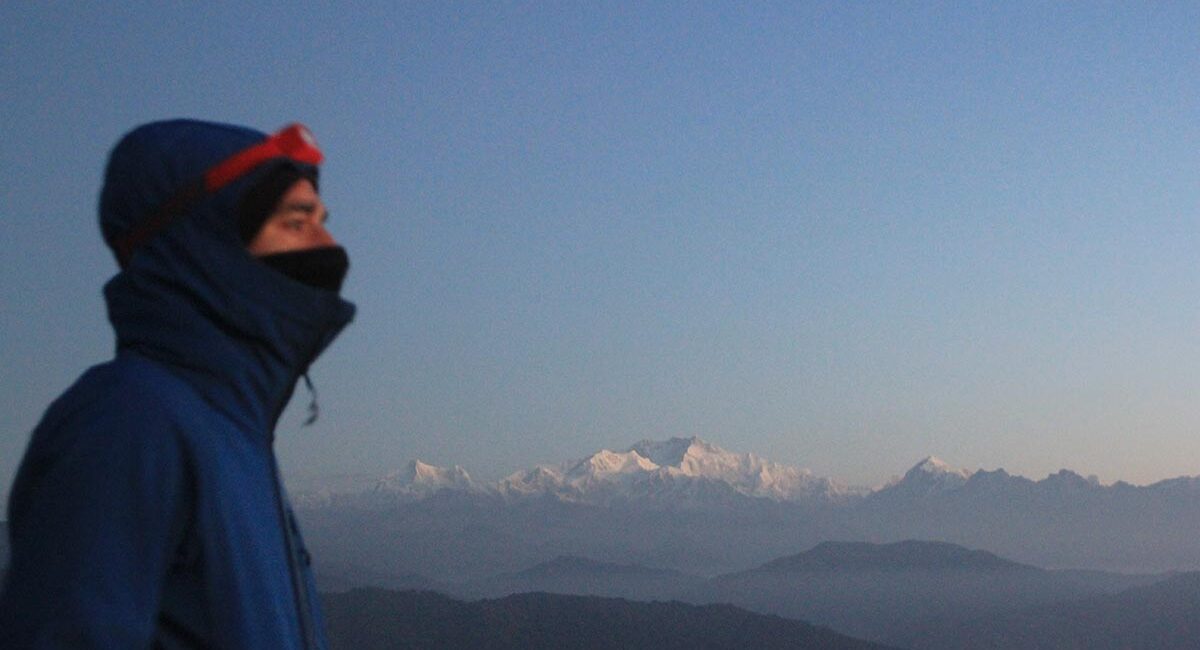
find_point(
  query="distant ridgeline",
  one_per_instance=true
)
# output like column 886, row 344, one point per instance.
column 919, row 595
column 891, row 592
column 373, row 619
column 689, row 506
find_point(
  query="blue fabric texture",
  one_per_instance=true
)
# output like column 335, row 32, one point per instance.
column 148, row 511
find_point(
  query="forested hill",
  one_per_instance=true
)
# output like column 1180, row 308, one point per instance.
column 376, row 619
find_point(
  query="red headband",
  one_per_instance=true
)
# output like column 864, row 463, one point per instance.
column 294, row 141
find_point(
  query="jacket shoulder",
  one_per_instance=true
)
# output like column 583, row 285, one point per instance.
column 95, row 511
column 127, row 384
column 121, row 402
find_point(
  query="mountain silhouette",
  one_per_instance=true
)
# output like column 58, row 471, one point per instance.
column 586, row 577
column 883, row 592
column 910, row 554
column 375, row 619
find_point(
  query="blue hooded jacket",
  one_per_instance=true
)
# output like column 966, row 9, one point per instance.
column 148, row 510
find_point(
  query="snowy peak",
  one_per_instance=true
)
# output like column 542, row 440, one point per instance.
column 605, row 463
column 420, row 478
column 538, row 480
column 674, row 452
column 695, row 457
column 935, row 467
column 929, row 477
column 679, row 470
column 747, row 474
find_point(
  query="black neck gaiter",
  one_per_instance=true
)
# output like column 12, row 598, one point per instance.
column 321, row 268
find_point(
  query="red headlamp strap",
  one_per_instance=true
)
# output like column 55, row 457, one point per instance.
column 294, row 141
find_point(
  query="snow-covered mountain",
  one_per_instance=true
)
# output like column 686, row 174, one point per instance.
column 681, row 471
column 688, row 505
column 415, row 481
column 691, row 473
column 929, row 477
column 422, row 479
column 674, row 473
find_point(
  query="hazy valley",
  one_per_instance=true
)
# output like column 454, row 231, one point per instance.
column 941, row 558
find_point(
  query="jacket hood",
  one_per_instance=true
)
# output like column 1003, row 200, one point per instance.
column 192, row 297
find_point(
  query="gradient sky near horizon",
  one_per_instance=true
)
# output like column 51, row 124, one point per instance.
column 842, row 236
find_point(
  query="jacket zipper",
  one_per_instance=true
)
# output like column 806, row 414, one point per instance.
column 299, row 588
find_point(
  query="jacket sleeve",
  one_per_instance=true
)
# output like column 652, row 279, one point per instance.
column 94, row 514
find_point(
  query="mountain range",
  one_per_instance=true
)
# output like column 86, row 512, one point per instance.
column 683, row 472
column 687, row 505
column 675, row 473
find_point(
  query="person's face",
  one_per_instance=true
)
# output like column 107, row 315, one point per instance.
column 297, row 223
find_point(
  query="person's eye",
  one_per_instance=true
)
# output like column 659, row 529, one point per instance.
column 294, row 224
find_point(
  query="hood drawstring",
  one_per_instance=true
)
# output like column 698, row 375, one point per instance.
column 313, row 409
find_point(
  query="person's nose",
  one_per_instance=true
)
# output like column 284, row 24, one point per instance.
column 322, row 237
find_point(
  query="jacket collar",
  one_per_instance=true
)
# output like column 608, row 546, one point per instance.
column 239, row 332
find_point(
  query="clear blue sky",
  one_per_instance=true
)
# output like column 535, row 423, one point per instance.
column 843, row 236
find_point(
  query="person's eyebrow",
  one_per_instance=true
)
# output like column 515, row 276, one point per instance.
column 300, row 206
column 307, row 207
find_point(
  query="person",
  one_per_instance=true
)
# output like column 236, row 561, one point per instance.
column 148, row 509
